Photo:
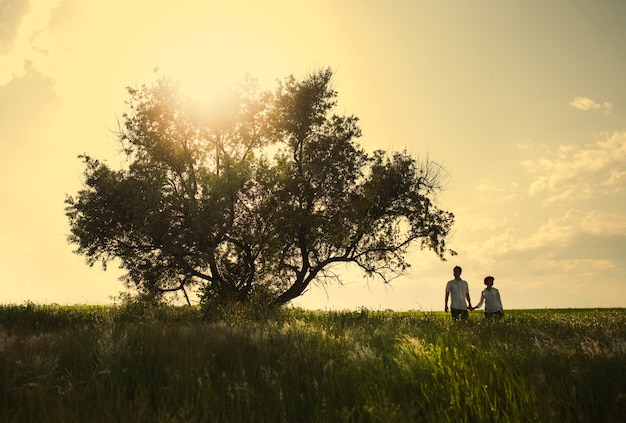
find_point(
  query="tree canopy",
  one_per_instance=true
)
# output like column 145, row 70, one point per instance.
column 261, row 195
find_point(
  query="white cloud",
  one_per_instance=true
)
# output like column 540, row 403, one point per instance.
column 475, row 222
column 486, row 187
column 585, row 103
column 494, row 193
column 498, row 244
column 572, row 172
column 578, row 266
column 553, row 242
column 562, row 231
column 27, row 39
column 12, row 12
column 599, row 222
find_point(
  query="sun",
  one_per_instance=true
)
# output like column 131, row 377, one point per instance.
column 206, row 55
column 207, row 62
column 201, row 75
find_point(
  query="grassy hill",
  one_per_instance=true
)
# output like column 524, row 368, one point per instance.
column 124, row 364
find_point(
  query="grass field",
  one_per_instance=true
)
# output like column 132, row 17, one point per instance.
column 117, row 364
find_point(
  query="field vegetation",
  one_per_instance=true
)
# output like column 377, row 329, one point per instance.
column 130, row 363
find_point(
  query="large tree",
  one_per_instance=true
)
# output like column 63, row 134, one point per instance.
column 261, row 194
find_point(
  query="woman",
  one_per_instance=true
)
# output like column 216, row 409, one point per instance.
column 491, row 297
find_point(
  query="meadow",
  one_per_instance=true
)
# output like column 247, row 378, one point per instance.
column 130, row 364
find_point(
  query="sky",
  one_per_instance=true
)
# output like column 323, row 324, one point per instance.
column 523, row 103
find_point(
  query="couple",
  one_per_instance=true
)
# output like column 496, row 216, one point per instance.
column 458, row 289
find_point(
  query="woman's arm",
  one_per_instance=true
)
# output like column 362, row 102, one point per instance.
column 482, row 300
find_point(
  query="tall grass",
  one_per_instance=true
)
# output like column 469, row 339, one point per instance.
column 102, row 364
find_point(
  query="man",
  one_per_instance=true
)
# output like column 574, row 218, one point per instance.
column 459, row 290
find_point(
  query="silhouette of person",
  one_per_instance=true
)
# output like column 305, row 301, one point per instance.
column 491, row 297
column 458, row 290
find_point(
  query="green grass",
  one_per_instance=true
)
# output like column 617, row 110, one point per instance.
column 103, row 364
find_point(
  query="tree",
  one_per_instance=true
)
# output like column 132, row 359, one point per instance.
column 260, row 197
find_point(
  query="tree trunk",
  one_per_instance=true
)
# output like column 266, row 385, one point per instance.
column 292, row 292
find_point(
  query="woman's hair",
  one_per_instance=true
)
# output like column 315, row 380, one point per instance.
column 489, row 279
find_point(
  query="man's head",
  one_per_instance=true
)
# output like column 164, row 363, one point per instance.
column 457, row 271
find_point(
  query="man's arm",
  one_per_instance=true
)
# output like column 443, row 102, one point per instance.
column 447, row 296
column 469, row 302
column 482, row 300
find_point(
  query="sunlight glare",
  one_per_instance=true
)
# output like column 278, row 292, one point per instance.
column 201, row 75
column 207, row 62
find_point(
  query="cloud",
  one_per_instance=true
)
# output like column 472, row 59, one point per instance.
column 562, row 231
column 487, row 187
column 580, row 172
column 25, row 37
column 579, row 266
column 475, row 222
column 27, row 160
column 599, row 222
column 489, row 193
column 12, row 12
column 584, row 246
column 585, row 103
